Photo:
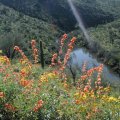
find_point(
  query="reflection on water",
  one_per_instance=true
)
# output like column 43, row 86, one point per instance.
column 82, row 55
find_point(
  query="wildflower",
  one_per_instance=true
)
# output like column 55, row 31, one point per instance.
column 16, row 48
column 56, row 72
column 43, row 78
column 4, row 59
column 77, row 102
column 1, row 95
column 84, row 77
column 35, row 51
column 86, row 89
column 25, row 83
column 33, row 42
column 38, row 106
column 84, row 97
column 51, row 75
column 76, row 94
column 10, row 107
column 53, row 59
column 21, row 52
column 112, row 99
column 65, row 84
column 73, row 39
column 65, row 36
column 22, row 73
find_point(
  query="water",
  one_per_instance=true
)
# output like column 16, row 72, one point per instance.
column 79, row 56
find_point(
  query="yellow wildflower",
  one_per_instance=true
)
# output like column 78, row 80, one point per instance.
column 51, row 75
column 112, row 99
column 46, row 76
column 43, row 78
column 84, row 96
column 76, row 94
column 4, row 59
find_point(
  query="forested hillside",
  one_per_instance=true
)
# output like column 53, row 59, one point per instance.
column 58, row 12
column 22, row 20
column 18, row 29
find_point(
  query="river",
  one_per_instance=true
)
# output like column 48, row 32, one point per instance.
column 79, row 56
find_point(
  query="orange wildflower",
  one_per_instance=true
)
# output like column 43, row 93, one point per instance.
column 25, row 83
column 33, row 42
column 84, row 77
column 65, row 36
column 38, row 106
column 10, row 107
column 1, row 95
column 54, row 57
column 77, row 102
column 16, row 48
column 35, row 51
column 73, row 39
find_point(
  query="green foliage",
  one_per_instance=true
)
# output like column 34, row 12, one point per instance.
column 93, row 12
column 18, row 29
column 108, row 37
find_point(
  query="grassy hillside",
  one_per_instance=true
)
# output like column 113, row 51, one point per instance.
column 17, row 28
column 58, row 12
column 29, row 92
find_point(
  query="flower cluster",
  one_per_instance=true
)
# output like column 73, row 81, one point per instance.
column 4, row 59
column 25, row 83
column 53, row 60
column 100, row 69
column 2, row 94
column 35, row 51
column 70, row 48
column 21, row 52
column 110, row 99
column 10, row 107
column 24, row 59
column 90, row 72
column 38, row 106
column 46, row 76
column 56, row 59
column 64, row 37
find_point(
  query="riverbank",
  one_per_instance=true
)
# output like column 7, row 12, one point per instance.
column 105, row 57
column 81, row 55
column 104, row 43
